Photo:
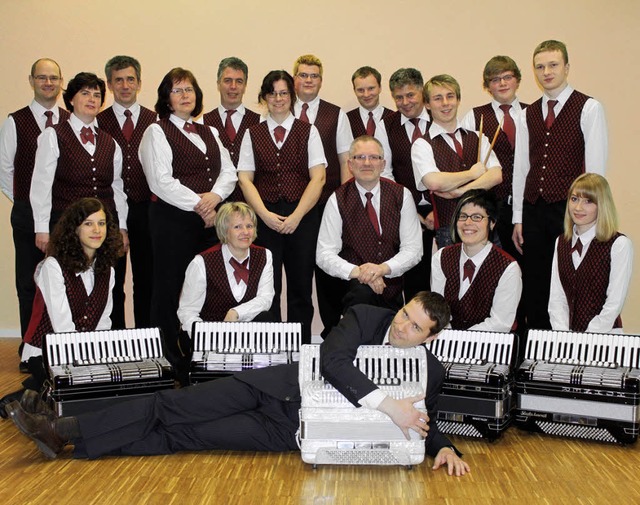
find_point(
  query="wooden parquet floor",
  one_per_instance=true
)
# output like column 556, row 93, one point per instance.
column 520, row 468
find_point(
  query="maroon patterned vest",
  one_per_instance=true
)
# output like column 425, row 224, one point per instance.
column 447, row 160
column 281, row 174
column 27, row 133
column 360, row 242
column 135, row 183
column 475, row 306
column 219, row 298
column 502, row 147
column 86, row 310
column 213, row 119
column 79, row 174
column 401, row 154
column 194, row 169
column 586, row 287
column 358, row 128
column 327, row 124
column 556, row 156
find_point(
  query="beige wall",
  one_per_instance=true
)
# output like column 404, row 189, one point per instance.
column 436, row 37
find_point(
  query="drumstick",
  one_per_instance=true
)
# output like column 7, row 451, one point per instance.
column 493, row 142
column 480, row 135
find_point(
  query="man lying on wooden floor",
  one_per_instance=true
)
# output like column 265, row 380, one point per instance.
column 257, row 410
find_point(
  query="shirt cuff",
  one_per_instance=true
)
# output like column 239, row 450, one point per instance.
column 373, row 399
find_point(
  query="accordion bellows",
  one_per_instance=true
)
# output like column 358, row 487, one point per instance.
column 333, row 431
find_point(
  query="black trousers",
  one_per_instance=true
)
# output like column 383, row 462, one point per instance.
column 418, row 278
column 176, row 237
column 225, row 414
column 27, row 257
column 542, row 223
column 141, row 256
column 296, row 253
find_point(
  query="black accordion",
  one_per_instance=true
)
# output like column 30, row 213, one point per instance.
column 477, row 394
column 580, row 385
column 90, row 370
column 221, row 349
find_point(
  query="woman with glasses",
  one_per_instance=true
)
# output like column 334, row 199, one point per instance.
column 189, row 173
column 480, row 281
column 281, row 172
column 592, row 262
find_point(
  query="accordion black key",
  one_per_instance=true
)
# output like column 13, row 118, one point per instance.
column 477, row 394
column 221, row 349
column 333, row 431
column 90, row 370
column 580, row 385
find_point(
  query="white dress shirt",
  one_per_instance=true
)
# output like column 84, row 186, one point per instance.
column 469, row 120
column 118, row 111
column 381, row 135
column 9, row 144
column 377, row 115
column 619, row 279
column 505, row 299
column 330, row 236
column 594, row 130
column 344, row 137
column 423, row 159
column 194, row 290
column 44, row 172
column 315, row 152
column 50, row 280
column 156, row 157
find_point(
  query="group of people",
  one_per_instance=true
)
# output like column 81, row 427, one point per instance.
column 353, row 199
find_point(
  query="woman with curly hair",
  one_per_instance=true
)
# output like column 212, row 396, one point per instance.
column 74, row 281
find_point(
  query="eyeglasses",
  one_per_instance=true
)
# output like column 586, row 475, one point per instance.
column 367, row 157
column 305, row 76
column 476, row 218
column 506, row 78
column 44, row 78
column 274, row 94
column 182, row 91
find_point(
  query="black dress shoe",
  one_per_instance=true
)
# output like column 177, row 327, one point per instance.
column 32, row 403
column 38, row 428
column 6, row 400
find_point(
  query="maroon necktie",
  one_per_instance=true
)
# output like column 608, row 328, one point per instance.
column 278, row 133
column 240, row 270
column 228, row 125
column 416, row 129
column 468, row 270
column 190, row 127
column 551, row 115
column 127, row 127
column 508, row 126
column 371, row 125
column 49, row 115
column 577, row 247
column 303, row 113
column 373, row 217
column 456, row 144
column 86, row 134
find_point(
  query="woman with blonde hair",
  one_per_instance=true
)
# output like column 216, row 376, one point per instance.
column 592, row 262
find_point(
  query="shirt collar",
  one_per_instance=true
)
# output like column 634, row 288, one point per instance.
column 38, row 109
column 119, row 109
column 240, row 111
column 77, row 124
column 286, row 124
column 226, row 254
column 479, row 258
column 179, row 122
column 313, row 104
column 436, row 129
column 562, row 97
column 423, row 115
column 515, row 105
column 362, row 191
column 586, row 237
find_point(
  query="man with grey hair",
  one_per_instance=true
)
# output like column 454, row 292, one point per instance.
column 369, row 234
column 18, row 142
column 231, row 118
column 126, row 121
column 401, row 129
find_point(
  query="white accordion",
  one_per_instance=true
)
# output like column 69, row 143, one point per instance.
column 222, row 348
column 333, row 431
